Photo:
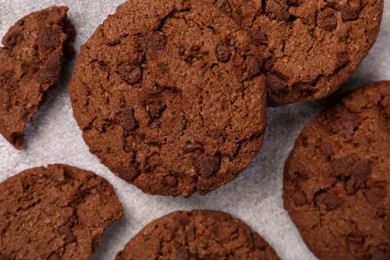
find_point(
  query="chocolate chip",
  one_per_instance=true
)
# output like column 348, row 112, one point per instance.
column 253, row 66
column 341, row 122
column 170, row 181
column 329, row 199
column 190, row 236
column 356, row 237
column 155, row 108
column 126, row 119
column 326, row 150
column 155, row 124
column 223, row 53
column 343, row 58
column 299, row 198
column 7, row 75
column 12, row 39
column 258, row 242
column 206, row 165
column 278, row 9
column 129, row 73
column 192, row 146
column 376, row 193
column 156, row 41
column 48, row 38
column 182, row 253
column 49, row 72
column 350, row 9
column 276, row 84
column 354, row 168
column 327, row 19
column 152, row 161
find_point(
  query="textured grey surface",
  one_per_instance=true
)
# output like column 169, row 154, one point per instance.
column 255, row 196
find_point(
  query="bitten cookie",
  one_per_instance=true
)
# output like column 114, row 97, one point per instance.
column 58, row 212
column 311, row 47
column 337, row 178
column 32, row 59
column 170, row 97
column 199, row 234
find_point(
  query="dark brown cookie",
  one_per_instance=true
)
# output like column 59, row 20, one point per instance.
column 337, row 178
column 58, row 212
column 311, row 47
column 199, row 234
column 170, row 97
column 32, row 58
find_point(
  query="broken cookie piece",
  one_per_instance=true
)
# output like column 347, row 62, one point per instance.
column 58, row 212
column 33, row 55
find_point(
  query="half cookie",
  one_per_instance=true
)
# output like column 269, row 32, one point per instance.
column 58, row 212
column 32, row 59
column 169, row 96
column 311, row 47
column 198, row 234
column 337, row 178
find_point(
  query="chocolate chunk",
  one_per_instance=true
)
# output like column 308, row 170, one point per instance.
column 126, row 119
column 376, row 193
column 156, row 41
column 342, row 122
column 155, row 108
column 356, row 237
column 276, row 84
column 350, row 9
column 327, row 19
column 191, row 147
column 329, row 199
column 170, row 181
column 222, row 53
column 48, row 37
column 299, row 199
column 277, row 9
column 129, row 73
column 206, row 165
column 253, row 66
column 258, row 241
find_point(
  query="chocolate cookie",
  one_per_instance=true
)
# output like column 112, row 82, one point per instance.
column 32, row 58
column 199, row 234
column 58, row 212
column 311, row 47
column 337, row 178
column 170, row 97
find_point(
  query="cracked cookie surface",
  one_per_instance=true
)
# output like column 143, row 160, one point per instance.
column 337, row 178
column 311, row 47
column 169, row 95
column 199, row 234
column 58, row 212
column 32, row 59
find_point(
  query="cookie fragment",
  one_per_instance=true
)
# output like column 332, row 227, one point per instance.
column 33, row 55
column 58, row 212
column 336, row 180
column 199, row 234
column 171, row 97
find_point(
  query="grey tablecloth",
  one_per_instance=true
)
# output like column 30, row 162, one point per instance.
column 255, row 196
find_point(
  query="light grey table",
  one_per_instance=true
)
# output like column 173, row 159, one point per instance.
column 255, row 196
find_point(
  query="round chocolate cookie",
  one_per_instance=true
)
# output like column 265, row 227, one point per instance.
column 31, row 63
column 199, row 234
column 337, row 178
column 311, row 47
column 170, row 97
column 58, row 212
